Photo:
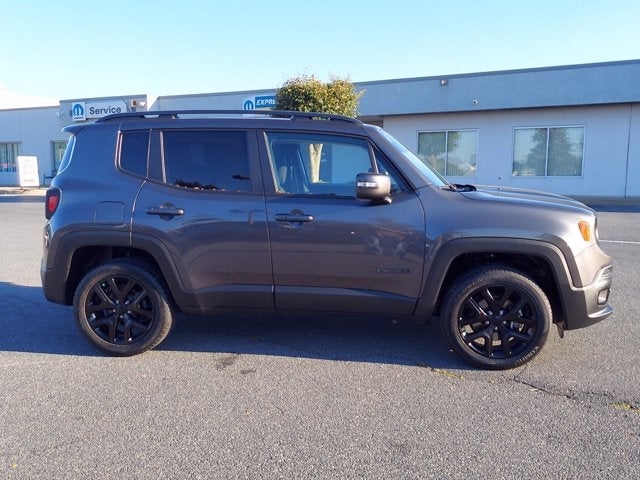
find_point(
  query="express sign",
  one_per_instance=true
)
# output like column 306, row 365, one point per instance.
column 259, row 102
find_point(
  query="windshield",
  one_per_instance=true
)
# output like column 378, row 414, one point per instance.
column 434, row 177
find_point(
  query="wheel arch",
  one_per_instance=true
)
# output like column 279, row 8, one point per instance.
column 85, row 251
column 540, row 261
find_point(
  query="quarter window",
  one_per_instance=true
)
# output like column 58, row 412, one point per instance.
column 207, row 160
column 8, row 154
column 451, row 152
column 134, row 147
column 548, row 151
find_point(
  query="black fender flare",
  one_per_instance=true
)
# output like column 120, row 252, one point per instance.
column 59, row 268
column 437, row 269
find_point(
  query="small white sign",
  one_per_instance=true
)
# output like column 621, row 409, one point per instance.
column 28, row 171
column 78, row 110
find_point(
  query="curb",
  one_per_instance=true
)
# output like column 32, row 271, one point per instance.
column 23, row 191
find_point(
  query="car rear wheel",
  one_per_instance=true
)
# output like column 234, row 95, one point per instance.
column 496, row 318
column 122, row 308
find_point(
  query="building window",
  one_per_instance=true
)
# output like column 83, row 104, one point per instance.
column 548, row 151
column 8, row 154
column 450, row 153
column 58, row 149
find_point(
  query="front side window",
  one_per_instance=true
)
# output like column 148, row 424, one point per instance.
column 207, row 160
column 548, row 151
column 317, row 164
column 451, row 152
column 8, row 154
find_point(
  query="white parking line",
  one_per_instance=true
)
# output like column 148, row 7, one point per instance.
column 630, row 242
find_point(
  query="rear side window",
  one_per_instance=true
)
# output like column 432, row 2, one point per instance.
column 134, row 148
column 207, row 160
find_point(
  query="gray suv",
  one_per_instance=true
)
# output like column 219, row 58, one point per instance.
column 200, row 211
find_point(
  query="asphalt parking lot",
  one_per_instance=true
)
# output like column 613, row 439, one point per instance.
column 296, row 396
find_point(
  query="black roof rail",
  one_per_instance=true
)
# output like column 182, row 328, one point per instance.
column 293, row 115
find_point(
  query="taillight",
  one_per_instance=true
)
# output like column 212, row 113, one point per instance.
column 51, row 202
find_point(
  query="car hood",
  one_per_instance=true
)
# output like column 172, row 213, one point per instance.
column 522, row 196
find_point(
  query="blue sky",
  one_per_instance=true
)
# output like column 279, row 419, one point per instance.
column 72, row 49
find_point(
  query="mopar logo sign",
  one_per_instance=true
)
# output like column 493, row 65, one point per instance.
column 78, row 111
column 81, row 111
column 259, row 102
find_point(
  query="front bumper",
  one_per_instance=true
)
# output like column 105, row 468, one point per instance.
column 588, row 305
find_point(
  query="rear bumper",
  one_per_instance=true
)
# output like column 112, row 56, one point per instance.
column 53, row 284
column 589, row 305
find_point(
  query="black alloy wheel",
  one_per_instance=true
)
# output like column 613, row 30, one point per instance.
column 496, row 318
column 122, row 308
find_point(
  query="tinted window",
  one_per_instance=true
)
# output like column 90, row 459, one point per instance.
column 133, row 151
column 207, row 160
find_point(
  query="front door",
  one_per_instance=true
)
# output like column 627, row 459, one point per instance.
column 331, row 251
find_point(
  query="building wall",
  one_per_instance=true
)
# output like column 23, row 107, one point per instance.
column 207, row 101
column 35, row 129
column 601, row 97
column 633, row 159
column 571, row 85
column 611, row 150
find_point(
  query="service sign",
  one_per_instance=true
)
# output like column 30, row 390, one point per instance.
column 81, row 111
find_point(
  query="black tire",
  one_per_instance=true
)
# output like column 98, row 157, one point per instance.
column 122, row 308
column 496, row 318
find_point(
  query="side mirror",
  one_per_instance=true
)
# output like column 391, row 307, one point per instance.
column 373, row 186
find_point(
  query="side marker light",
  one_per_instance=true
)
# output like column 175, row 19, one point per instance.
column 585, row 230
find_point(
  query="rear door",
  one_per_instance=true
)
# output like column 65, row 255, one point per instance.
column 204, row 206
column 331, row 251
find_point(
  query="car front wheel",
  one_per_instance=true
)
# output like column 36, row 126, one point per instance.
column 122, row 308
column 496, row 318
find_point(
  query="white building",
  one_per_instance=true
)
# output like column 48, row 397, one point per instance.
column 573, row 130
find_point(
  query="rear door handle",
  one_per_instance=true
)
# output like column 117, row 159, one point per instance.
column 165, row 210
column 293, row 217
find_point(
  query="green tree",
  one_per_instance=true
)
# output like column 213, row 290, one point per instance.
column 308, row 94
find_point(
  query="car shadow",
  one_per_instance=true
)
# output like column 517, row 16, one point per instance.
column 338, row 337
column 31, row 324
